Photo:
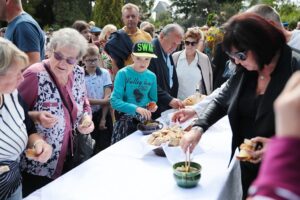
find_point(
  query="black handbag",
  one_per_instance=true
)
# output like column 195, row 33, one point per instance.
column 82, row 145
column 83, row 148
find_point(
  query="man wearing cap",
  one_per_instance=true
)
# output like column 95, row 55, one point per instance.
column 135, row 87
column 120, row 43
column 163, row 67
column 95, row 32
column 23, row 30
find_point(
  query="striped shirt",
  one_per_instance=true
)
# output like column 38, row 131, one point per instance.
column 13, row 124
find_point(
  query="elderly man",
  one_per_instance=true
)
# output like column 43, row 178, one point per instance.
column 120, row 43
column 23, row 30
column 167, row 42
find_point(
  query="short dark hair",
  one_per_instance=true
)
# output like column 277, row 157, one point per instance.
column 249, row 31
column 80, row 25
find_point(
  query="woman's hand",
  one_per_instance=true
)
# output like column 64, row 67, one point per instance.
column 86, row 125
column 176, row 103
column 191, row 139
column 44, row 118
column 183, row 115
column 43, row 151
column 258, row 153
column 146, row 114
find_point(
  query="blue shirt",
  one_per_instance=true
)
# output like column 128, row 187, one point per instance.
column 26, row 34
column 133, row 89
column 96, row 85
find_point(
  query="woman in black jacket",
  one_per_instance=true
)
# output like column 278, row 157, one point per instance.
column 264, row 64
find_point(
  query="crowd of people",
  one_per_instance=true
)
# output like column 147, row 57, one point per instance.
column 101, row 82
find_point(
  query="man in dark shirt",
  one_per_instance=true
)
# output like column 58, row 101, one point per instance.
column 163, row 67
column 23, row 30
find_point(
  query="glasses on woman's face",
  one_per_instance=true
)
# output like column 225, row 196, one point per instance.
column 59, row 56
column 187, row 43
column 90, row 61
column 241, row 55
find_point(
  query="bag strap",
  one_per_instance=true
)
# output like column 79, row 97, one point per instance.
column 60, row 92
column 64, row 102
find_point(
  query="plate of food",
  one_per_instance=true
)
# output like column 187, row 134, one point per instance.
column 169, row 135
column 193, row 99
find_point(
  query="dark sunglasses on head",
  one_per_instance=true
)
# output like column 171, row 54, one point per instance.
column 187, row 43
column 59, row 56
column 241, row 55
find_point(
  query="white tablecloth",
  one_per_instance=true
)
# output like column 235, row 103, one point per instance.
column 123, row 171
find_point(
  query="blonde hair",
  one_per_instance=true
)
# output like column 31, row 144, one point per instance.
column 109, row 28
column 92, row 50
column 9, row 53
column 130, row 6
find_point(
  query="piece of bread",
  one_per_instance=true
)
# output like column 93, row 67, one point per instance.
column 189, row 101
column 193, row 99
column 31, row 153
column 243, row 155
column 86, row 122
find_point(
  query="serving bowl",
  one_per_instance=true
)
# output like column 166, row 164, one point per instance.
column 187, row 179
column 149, row 127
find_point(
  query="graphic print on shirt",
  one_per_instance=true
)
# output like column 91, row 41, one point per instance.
column 140, row 87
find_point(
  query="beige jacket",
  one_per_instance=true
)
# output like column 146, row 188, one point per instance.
column 205, row 66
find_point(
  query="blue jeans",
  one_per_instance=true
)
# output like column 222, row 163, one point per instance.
column 17, row 195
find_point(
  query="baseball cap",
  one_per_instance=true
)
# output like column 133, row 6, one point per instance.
column 143, row 49
column 95, row 29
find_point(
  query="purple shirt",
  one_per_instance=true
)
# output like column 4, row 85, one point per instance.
column 279, row 175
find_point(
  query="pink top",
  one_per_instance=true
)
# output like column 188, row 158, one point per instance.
column 279, row 175
column 41, row 94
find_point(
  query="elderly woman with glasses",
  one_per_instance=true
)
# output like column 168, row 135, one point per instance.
column 57, row 85
column 264, row 64
column 193, row 67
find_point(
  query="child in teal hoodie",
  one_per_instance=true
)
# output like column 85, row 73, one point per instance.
column 134, row 88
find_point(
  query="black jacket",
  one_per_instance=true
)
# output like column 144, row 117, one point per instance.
column 159, row 67
column 119, row 47
column 228, row 99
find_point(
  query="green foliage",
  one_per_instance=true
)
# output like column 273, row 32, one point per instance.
column 290, row 13
column 68, row 11
column 108, row 12
column 30, row 6
column 201, row 12
column 185, row 7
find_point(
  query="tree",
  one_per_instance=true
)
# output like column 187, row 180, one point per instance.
column 68, row 11
column 200, row 12
column 108, row 12
column 290, row 13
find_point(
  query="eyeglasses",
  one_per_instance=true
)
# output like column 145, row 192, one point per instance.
column 59, row 56
column 91, row 60
column 187, row 43
column 241, row 55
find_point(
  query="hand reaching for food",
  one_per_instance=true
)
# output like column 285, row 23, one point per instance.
column 146, row 114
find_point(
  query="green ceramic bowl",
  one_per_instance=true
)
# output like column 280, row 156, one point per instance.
column 187, row 179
